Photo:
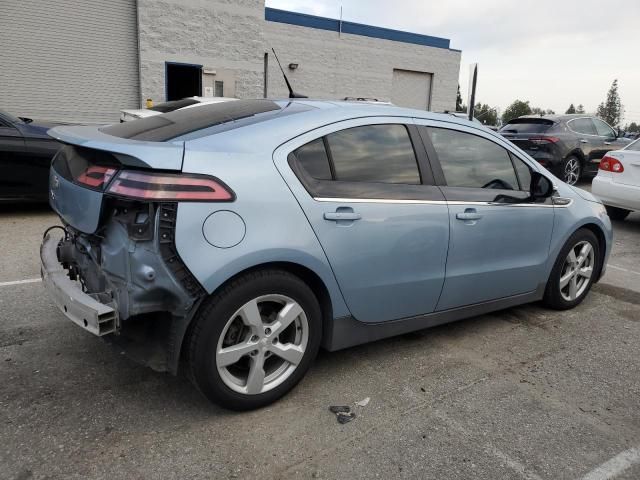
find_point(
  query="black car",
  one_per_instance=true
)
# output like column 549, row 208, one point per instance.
column 570, row 146
column 25, row 157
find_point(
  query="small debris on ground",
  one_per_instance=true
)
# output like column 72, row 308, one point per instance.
column 364, row 402
column 343, row 413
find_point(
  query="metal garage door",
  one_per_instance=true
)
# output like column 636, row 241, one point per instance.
column 411, row 89
column 74, row 61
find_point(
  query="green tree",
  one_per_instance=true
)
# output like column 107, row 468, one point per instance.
column 486, row 114
column 459, row 105
column 515, row 110
column 611, row 110
column 632, row 127
column 542, row 111
column 571, row 109
column 580, row 109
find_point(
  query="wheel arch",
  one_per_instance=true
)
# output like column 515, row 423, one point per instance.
column 602, row 244
column 311, row 278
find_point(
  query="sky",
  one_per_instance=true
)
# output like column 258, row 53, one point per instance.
column 550, row 52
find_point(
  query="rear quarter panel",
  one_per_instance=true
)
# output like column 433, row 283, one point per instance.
column 276, row 228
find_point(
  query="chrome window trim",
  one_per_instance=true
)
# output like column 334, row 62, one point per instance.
column 586, row 134
column 439, row 202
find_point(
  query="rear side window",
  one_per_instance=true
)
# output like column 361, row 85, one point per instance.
column 471, row 161
column 583, row 126
column 313, row 158
column 527, row 125
column 374, row 154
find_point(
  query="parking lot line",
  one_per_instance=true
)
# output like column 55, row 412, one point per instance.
column 19, row 282
column 615, row 267
column 615, row 466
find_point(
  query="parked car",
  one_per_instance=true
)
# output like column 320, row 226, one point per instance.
column 570, row 146
column 242, row 237
column 128, row 115
column 618, row 181
column 25, row 156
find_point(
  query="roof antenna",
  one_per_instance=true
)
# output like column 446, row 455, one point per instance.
column 292, row 94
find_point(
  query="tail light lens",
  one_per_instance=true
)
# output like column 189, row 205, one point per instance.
column 170, row 187
column 610, row 164
column 96, row 176
column 544, row 140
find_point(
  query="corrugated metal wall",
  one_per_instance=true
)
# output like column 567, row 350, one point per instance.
column 411, row 89
column 69, row 60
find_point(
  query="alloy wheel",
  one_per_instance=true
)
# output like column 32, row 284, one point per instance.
column 262, row 344
column 572, row 171
column 577, row 271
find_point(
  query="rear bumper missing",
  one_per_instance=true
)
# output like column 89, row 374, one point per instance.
column 83, row 309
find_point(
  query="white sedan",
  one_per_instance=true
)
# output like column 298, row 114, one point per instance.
column 189, row 102
column 618, row 181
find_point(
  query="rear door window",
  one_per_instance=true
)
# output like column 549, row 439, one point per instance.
column 472, row 161
column 374, row 154
column 583, row 126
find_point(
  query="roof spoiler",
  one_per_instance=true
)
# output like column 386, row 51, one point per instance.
column 134, row 153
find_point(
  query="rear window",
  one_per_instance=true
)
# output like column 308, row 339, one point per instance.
column 527, row 125
column 634, row 146
column 173, row 105
column 192, row 123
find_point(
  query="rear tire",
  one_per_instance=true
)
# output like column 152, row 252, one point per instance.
column 574, row 271
column 616, row 213
column 571, row 170
column 254, row 340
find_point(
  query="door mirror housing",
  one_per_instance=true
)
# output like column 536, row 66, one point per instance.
column 541, row 187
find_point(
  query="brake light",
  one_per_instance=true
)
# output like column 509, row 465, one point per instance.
column 544, row 140
column 169, row 186
column 96, row 176
column 610, row 164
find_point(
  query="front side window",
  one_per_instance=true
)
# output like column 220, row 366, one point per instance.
column 583, row 126
column 603, row 129
column 471, row 161
column 374, row 154
column 524, row 173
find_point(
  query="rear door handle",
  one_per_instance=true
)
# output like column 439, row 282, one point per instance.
column 337, row 216
column 607, row 143
column 584, row 141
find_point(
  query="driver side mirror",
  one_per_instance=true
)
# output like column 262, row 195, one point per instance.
column 541, row 187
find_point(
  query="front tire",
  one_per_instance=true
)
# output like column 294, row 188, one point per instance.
column 254, row 340
column 616, row 213
column 573, row 273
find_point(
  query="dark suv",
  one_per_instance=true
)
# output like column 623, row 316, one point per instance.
column 570, row 146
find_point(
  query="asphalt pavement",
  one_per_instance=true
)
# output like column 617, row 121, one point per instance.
column 526, row 393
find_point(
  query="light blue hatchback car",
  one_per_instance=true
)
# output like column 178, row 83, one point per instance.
column 242, row 237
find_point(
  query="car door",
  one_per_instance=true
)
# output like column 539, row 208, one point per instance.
column 499, row 238
column 588, row 140
column 608, row 139
column 367, row 191
column 12, row 149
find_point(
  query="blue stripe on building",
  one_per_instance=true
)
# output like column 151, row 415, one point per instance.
column 333, row 25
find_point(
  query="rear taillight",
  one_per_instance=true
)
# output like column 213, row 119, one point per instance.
column 610, row 164
column 96, row 176
column 544, row 140
column 169, row 186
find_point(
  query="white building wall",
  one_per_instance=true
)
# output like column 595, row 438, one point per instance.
column 220, row 35
column 334, row 66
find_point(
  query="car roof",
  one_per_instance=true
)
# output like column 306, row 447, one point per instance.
column 557, row 117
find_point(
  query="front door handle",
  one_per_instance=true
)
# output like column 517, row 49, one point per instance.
column 469, row 214
column 584, row 141
column 338, row 216
column 607, row 143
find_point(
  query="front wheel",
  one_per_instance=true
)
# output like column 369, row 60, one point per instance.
column 254, row 340
column 571, row 170
column 616, row 213
column 574, row 271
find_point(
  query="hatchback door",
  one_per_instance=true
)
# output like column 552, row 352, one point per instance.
column 366, row 189
column 499, row 240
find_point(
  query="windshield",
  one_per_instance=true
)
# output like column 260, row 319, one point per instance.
column 173, row 105
column 527, row 125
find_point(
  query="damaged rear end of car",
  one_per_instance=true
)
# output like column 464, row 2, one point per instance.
column 115, row 270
